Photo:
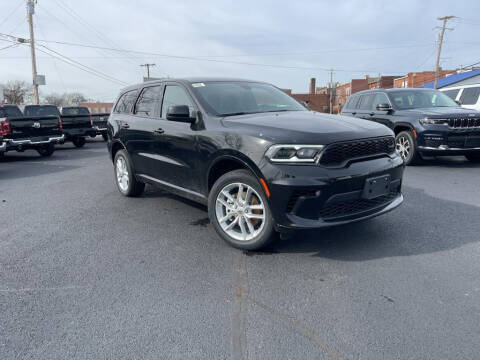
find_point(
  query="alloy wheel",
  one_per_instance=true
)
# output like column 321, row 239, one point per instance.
column 240, row 211
column 122, row 173
column 403, row 147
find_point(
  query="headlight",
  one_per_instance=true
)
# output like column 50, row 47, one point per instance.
column 294, row 153
column 428, row 121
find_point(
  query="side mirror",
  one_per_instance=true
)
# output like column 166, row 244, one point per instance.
column 384, row 107
column 304, row 103
column 180, row 113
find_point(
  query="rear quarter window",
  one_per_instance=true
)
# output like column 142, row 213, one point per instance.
column 75, row 111
column 470, row 96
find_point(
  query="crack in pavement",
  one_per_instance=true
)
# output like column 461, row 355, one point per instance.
column 239, row 337
column 296, row 325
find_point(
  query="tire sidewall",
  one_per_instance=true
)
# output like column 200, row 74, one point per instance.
column 413, row 149
column 79, row 142
column 46, row 151
column 124, row 155
column 245, row 177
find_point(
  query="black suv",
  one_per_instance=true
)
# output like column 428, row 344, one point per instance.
column 259, row 159
column 426, row 122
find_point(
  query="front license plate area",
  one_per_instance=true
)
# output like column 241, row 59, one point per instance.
column 376, row 187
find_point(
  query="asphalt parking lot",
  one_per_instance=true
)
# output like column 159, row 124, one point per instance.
column 88, row 274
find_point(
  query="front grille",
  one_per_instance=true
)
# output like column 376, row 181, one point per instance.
column 464, row 123
column 341, row 152
column 352, row 207
column 433, row 143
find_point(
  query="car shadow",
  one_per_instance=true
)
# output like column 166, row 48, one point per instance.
column 155, row 192
column 419, row 226
column 447, row 161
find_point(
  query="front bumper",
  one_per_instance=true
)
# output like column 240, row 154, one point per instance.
column 25, row 144
column 3, row 146
column 304, row 197
column 437, row 142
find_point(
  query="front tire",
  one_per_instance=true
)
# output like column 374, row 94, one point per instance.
column 126, row 182
column 47, row 150
column 473, row 157
column 407, row 148
column 105, row 137
column 239, row 211
column 78, row 141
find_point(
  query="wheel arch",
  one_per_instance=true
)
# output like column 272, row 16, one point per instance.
column 227, row 162
column 116, row 146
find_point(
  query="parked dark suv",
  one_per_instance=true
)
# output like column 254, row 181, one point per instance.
column 426, row 122
column 259, row 159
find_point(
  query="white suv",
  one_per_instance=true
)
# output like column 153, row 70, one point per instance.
column 466, row 95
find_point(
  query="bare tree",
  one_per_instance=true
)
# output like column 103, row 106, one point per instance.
column 17, row 92
column 76, row 98
column 73, row 98
column 55, row 99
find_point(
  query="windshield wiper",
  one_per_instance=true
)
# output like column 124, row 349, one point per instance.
column 237, row 113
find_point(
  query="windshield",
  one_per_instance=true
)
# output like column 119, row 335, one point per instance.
column 238, row 98
column 41, row 110
column 417, row 99
column 75, row 111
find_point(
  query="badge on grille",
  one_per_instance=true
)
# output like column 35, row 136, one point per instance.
column 36, row 125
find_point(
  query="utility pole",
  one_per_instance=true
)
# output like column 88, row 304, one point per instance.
column 444, row 19
column 331, row 91
column 30, row 12
column 148, row 68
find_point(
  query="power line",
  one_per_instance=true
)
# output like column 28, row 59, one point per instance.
column 11, row 13
column 79, row 65
column 193, row 58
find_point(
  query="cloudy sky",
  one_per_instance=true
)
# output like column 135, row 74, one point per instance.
column 282, row 42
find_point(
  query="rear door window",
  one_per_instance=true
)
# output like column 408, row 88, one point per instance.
column 470, row 96
column 452, row 94
column 149, row 101
column 126, row 101
column 365, row 102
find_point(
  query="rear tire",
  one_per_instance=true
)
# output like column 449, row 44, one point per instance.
column 126, row 182
column 246, row 223
column 473, row 157
column 406, row 146
column 46, row 150
column 78, row 141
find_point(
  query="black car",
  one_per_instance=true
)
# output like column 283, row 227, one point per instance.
column 259, row 159
column 426, row 122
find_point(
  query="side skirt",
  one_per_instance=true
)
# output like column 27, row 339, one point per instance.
column 186, row 193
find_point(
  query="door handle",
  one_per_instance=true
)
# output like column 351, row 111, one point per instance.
column 371, row 114
column 125, row 126
column 354, row 113
column 159, row 131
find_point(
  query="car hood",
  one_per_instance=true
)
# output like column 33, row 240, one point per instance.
column 308, row 127
column 440, row 111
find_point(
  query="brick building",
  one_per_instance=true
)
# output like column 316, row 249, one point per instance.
column 417, row 79
column 382, row 82
column 97, row 107
column 317, row 102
